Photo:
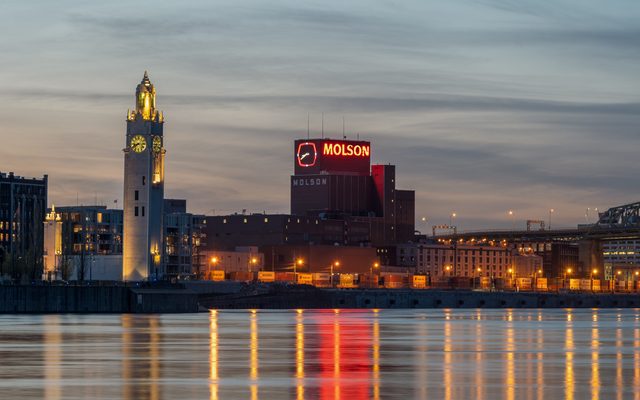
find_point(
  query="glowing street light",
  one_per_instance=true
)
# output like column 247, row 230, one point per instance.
column 551, row 211
column 253, row 261
column 213, row 262
column 335, row 264
column 375, row 265
column 448, row 269
column 298, row 263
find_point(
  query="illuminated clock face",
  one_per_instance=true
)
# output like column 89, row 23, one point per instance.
column 138, row 143
column 157, row 144
column 306, row 154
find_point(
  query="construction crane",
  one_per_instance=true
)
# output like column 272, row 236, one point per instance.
column 445, row 227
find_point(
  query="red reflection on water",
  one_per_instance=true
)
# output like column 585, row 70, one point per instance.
column 344, row 354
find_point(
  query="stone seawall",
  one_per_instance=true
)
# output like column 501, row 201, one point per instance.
column 177, row 299
column 95, row 299
column 397, row 298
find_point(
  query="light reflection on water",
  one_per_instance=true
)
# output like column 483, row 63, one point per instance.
column 324, row 354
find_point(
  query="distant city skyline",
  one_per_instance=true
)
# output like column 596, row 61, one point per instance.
column 484, row 106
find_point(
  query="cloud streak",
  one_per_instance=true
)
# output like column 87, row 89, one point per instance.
column 483, row 105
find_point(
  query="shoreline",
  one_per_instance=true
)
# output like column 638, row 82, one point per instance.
column 191, row 297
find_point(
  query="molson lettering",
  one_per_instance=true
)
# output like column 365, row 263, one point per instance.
column 309, row 181
column 343, row 149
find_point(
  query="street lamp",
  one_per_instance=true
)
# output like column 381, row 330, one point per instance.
column 212, row 262
column 298, row 263
column 252, row 262
column 424, row 222
column 375, row 265
column 452, row 218
column 566, row 272
column 593, row 273
column 333, row 264
column 513, row 224
column 551, row 211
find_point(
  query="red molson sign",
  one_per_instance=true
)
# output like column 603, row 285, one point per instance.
column 345, row 150
column 328, row 156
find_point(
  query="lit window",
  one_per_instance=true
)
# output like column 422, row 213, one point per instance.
column 266, row 220
column 224, row 221
column 245, row 220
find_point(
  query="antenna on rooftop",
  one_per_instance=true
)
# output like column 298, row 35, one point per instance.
column 323, row 125
column 343, row 135
column 307, row 126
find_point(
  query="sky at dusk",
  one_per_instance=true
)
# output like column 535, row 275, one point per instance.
column 483, row 105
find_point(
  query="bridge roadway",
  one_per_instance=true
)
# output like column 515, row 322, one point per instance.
column 580, row 233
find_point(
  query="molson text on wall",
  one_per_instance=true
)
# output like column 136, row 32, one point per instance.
column 344, row 149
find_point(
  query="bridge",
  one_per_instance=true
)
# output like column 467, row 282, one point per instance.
column 571, row 234
column 617, row 223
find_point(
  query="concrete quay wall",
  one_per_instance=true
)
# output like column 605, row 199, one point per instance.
column 94, row 299
column 394, row 298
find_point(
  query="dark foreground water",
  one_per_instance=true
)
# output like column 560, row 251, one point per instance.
column 386, row 354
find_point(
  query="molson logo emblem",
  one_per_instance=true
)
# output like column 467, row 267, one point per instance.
column 346, row 150
column 307, row 154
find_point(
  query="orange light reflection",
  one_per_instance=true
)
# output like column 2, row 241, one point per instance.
column 253, row 372
column 213, row 355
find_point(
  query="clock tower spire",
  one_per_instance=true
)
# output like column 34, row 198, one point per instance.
column 144, row 188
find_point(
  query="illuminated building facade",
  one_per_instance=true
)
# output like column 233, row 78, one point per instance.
column 338, row 201
column 335, row 178
column 83, row 243
column 621, row 258
column 443, row 260
column 183, row 239
column 23, row 205
column 144, row 188
column 86, row 242
column 477, row 260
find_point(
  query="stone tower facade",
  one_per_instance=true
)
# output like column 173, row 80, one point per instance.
column 144, row 154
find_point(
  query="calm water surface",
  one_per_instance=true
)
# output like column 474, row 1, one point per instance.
column 317, row 354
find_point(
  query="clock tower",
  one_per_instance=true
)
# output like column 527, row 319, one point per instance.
column 143, row 188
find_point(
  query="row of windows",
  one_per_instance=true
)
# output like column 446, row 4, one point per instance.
column 136, row 210
column 465, row 252
column 266, row 219
column 4, row 237
column 466, row 259
column 7, row 225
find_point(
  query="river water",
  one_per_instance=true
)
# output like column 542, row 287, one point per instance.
column 324, row 354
